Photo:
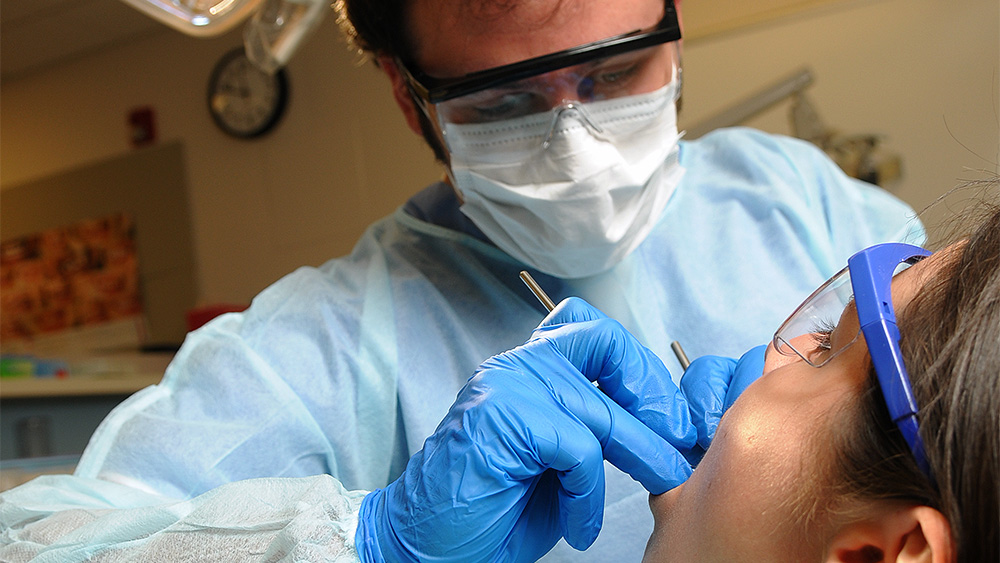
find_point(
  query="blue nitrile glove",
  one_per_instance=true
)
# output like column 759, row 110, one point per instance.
column 518, row 462
column 711, row 385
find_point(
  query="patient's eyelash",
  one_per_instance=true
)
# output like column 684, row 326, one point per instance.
column 821, row 333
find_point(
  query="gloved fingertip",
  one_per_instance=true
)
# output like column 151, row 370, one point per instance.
column 668, row 479
column 695, row 455
column 581, row 536
column 706, row 431
column 573, row 309
column 705, row 372
column 580, row 518
column 580, row 540
column 705, row 385
column 748, row 369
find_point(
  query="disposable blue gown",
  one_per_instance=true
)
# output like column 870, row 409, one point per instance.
column 345, row 369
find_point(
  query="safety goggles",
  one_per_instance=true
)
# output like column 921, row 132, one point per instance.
column 865, row 283
column 609, row 68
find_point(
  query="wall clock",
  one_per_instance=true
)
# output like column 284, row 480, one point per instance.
column 245, row 101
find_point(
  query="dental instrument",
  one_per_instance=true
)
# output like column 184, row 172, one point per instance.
column 537, row 290
column 681, row 356
column 549, row 305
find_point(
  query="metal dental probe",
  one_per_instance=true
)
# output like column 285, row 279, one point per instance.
column 681, row 356
column 549, row 305
column 537, row 290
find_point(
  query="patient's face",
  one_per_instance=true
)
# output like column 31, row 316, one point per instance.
column 739, row 505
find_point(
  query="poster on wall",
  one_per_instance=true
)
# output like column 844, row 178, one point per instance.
column 70, row 278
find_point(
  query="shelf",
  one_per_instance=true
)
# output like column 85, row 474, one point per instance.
column 110, row 374
column 76, row 386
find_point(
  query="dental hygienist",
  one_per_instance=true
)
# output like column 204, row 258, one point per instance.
column 555, row 122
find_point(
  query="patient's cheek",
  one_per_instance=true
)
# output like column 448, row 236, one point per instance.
column 757, row 451
column 743, row 500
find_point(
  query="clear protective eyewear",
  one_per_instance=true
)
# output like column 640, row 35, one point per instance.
column 637, row 62
column 865, row 283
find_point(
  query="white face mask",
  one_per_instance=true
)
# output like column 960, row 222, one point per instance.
column 580, row 205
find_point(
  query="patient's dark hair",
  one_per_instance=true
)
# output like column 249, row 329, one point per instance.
column 950, row 340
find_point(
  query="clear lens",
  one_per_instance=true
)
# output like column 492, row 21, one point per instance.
column 635, row 72
column 565, row 130
column 806, row 331
column 644, row 106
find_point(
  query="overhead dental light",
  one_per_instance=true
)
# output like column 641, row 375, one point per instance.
column 200, row 18
column 275, row 30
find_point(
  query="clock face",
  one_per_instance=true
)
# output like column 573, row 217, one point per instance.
column 244, row 100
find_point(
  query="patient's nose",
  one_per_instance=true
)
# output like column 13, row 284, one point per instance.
column 774, row 359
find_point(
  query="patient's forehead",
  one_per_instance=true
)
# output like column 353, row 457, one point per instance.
column 908, row 283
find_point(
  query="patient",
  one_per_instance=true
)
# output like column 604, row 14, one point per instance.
column 808, row 466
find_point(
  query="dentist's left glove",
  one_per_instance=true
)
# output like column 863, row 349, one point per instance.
column 518, row 462
column 712, row 384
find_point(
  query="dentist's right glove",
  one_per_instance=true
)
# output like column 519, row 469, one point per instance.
column 518, row 462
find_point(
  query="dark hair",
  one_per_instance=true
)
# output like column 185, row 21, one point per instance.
column 374, row 27
column 377, row 27
column 950, row 340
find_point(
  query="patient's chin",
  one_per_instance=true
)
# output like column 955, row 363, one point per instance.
column 662, row 507
column 660, row 504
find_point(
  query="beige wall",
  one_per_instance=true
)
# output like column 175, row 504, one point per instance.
column 922, row 73
column 342, row 157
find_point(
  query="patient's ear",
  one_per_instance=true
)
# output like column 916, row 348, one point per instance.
column 902, row 534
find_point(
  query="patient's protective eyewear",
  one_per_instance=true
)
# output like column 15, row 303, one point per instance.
column 506, row 91
column 865, row 283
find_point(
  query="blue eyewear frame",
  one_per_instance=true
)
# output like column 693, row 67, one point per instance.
column 435, row 90
column 872, row 270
